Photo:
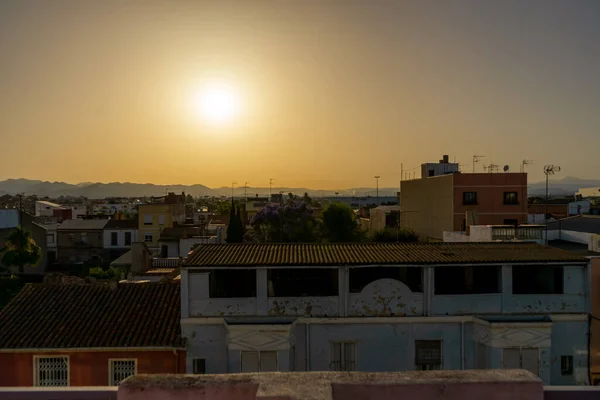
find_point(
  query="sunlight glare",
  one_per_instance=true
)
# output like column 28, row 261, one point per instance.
column 218, row 104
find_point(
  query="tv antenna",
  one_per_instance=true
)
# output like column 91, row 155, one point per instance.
column 476, row 159
column 524, row 163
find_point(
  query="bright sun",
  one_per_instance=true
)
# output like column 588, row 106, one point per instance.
column 218, row 104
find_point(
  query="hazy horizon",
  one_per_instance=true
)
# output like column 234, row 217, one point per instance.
column 325, row 94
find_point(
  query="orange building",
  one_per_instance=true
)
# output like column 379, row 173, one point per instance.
column 90, row 334
column 432, row 205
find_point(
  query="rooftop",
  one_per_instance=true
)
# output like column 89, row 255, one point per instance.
column 579, row 223
column 122, row 224
column 68, row 316
column 180, row 232
column 210, row 255
column 83, row 224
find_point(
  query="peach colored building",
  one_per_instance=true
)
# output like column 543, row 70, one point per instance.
column 432, row 205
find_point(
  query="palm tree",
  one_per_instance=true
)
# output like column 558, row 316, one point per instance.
column 20, row 250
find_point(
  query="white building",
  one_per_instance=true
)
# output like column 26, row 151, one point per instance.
column 46, row 208
column 9, row 218
column 498, row 233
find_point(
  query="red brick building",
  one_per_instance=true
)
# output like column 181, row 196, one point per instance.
column 90, row 334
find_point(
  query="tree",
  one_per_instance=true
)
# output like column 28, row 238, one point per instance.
column 402, row 235
column 235, row 229
column 339, row 224
column 292, row 223
column 20, row 250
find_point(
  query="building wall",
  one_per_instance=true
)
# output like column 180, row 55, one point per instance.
column 427, row 206
column 71, row 247
column 44, row 209
column 89, row 368
column 595, row 322
column 556, row 210
column 120, row 238
column 155, row 211
column 389, row 344
column 490, row 207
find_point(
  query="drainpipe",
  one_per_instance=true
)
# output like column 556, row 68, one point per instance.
column 307, row 347
column 462, row 344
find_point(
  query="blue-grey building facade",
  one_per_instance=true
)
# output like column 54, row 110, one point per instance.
column 422, row 306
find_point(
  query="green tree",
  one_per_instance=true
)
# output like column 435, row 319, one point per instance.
column 391, row 235
column 235, row 229
column 20, row 250
column 340, row 225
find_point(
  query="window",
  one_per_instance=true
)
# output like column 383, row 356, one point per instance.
column 536, row 279
column 114, row 238
column 148, row 237
column 342, row 356
column 259, row 361
column 522, row 358
column 127, row 238
column 469, row 198
column 511, row 198
column 361, row 277
column 120, row 369
column 566, row 365
column 232, row 283
column 161, row 219
column 51, row 371
column 428, row 355
column 302, row 282
column 467, row 280
column 147, row 219
column 199, row 366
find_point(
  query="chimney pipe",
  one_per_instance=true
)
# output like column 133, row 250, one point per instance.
column 445, row 158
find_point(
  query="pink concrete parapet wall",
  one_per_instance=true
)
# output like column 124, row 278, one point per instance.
column 432, row 385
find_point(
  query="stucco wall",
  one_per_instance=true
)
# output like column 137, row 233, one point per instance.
column 427, row 206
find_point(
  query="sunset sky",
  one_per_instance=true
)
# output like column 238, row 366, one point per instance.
column 316, row 93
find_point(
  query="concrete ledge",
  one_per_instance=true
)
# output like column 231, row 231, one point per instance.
column 197, row 387
column 438, row 385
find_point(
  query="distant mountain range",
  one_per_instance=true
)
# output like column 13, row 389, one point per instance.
column 565, row 186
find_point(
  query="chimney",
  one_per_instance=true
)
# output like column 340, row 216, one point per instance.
column 445, row 158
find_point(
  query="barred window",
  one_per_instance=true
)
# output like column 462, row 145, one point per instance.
column 428, row 355
column 343, row 356
column 51, row 371
column 120, row 370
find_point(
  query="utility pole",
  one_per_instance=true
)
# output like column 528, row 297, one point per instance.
column 524, row 189
column 20, row 223
column 548, row 170
column 377, row 187
column 246, row 190
column 270, row 186
column 232, row 183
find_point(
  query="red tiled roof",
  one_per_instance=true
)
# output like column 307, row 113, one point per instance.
column 45, row 316
column 209, row 255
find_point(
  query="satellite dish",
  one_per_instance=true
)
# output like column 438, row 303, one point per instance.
column 506, row 168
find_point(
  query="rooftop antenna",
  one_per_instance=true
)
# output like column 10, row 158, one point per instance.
column 524, row 163
column 476, row 159
column 506, row 168
column 493, row 168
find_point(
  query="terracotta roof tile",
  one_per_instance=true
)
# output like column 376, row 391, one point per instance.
column 44, row 316
column 209, row 255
